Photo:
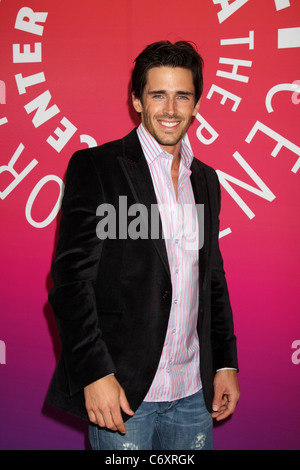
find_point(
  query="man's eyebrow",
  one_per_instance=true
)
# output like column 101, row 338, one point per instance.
column 161, row 92
column 188, row 93
column 156, row 92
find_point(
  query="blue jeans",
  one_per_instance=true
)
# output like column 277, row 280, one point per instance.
column 183, row 424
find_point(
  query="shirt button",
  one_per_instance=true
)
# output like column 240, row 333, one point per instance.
column 165, row 294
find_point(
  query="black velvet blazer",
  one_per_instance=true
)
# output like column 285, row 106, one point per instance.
column 111, row 298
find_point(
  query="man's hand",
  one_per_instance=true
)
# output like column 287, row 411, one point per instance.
column 104, row 400
column 227, row 394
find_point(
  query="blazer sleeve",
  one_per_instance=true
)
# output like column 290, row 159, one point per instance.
column 74, row 271
column 222, row 328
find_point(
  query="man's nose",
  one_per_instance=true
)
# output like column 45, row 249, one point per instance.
column 171, row 106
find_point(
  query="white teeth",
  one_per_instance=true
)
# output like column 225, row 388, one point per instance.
column 169, row 124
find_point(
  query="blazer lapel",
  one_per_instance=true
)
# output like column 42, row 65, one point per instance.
column 200, row 189
column 136, row 171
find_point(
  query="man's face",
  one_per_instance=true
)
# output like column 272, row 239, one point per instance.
column 168, row 105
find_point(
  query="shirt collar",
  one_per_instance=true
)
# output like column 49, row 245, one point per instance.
column 153, row 150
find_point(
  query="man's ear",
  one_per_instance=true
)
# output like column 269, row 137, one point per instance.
column 196, row 108
column 137, row 104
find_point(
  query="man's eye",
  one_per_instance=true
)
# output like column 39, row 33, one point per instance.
column 183, row 97
column 158, row 97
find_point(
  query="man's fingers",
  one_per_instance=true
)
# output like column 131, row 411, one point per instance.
column 226, row 409
column 100, row 420
column 118, row 421
column 96, row 417
column 223, row 413
column 110, row 419
column 116, row 412
column 124, row 404
column 218, row 399
column 92, row 417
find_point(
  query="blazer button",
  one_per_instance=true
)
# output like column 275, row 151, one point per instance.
column 165, row 294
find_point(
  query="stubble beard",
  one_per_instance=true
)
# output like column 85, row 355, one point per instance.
column 166, row 140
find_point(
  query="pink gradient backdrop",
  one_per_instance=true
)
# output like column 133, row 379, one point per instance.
column 87, row 54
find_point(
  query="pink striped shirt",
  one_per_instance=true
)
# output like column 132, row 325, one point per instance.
column 178, row 373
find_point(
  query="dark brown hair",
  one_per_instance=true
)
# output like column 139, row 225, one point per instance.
column 164, row 53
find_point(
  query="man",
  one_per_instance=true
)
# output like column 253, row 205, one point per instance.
column 148, row 348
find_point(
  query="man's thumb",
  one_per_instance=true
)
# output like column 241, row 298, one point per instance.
column 217, row 401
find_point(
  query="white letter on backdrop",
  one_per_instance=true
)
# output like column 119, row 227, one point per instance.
column 27, row 57
column 213, row 135
column 63, row 136
column 228, row 8
column 40, row 104
column 18, row 177
column 27, row 19
column 263, row 190
column 34, row 194
column 281, row 142
column 281, row 87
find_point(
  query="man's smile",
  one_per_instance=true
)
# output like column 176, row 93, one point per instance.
column 169, row 124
